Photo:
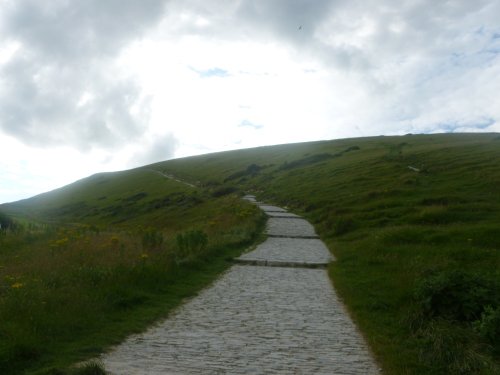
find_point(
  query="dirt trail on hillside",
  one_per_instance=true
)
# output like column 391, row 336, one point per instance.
column 275, row 312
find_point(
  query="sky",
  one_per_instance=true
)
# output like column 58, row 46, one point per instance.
column 103, row 85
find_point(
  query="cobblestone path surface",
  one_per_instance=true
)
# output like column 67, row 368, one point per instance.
column 255, row 320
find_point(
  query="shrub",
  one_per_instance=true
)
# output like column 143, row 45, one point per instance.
column 452, row 349
column 489, row 325
column 225, row 190
column 5, row 222
column 456, row 295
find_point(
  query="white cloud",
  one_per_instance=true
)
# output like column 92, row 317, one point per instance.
column 114, row 84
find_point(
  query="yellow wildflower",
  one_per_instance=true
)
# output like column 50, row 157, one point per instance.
column 17, row 285
column 114, row 241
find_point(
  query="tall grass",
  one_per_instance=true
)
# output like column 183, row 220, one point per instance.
column 67, row 291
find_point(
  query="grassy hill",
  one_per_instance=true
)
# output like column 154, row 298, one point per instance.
column 86, row 265
column 413, row 221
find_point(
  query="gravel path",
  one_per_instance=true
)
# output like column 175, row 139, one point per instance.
column 290, row 228
column 289, row 250
column 256, row 320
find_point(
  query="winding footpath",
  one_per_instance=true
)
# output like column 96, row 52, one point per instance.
column 274, row 312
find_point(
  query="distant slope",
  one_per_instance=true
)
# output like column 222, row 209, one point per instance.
column 305, row 175
column 349, row 170
column 107, row 198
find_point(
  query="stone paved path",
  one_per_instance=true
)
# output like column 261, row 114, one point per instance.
column 256, row 320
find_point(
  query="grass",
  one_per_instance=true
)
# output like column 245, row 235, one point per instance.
column 410, row 219
column 69, row 291
column 392, row 228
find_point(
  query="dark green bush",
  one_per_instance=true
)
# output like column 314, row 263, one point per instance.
column 251, row 171
column 456, row 295
column 5, row 222
column 453, row 349
column 489, row 325
column 225, row 190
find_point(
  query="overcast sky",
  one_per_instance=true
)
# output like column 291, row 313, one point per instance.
column 100, row 85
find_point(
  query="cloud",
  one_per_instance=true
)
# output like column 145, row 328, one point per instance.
column 405, row 59
column 132, row 82
column 63, row 85
column 65, row 30
column 249, row 124
column 294, row 20
column 157, row 149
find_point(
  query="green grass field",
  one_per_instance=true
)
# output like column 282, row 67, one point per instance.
column 78, row 275
column 414, row 223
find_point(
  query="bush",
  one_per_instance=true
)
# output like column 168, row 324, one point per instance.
column 456, row 295
column 489, row 325
column 5, row 222
column 452, row 349
column 225, row 190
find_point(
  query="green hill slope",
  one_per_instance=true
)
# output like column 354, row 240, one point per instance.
column 108, row 198
column 414, row 223
column 86, row 265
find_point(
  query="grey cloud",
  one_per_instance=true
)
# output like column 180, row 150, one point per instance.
column 255, row 20
column 410, row 57
column 67, row 51
column 293, row 19
column 64, row 30
column 41, row 104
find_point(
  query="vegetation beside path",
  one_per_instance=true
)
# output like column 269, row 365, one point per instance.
column 78, row 274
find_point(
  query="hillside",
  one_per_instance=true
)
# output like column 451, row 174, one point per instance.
column 84, row 266
column 413, row 222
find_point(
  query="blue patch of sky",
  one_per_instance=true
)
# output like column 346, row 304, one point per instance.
column 212, row 72
column 249, row 124
column 451, row 127
column 490, row 42
column 485, row 123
